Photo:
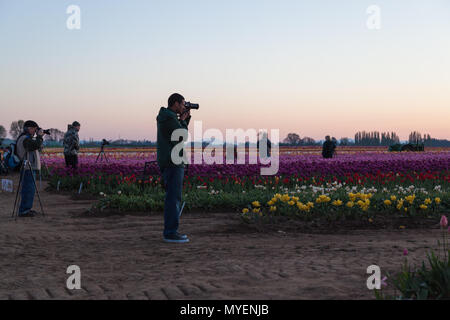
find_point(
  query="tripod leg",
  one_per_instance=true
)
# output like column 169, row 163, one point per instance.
column 181, row 211
column 35, row 187
column 22, row 174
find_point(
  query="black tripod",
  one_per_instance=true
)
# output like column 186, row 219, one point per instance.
column 3, row 169
column 26, row 165
column 102, row 154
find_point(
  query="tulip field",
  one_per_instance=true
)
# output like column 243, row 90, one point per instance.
column 360, row 182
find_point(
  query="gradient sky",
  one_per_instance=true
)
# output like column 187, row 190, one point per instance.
column 310, row 67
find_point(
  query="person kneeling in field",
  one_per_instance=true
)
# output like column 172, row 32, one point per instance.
column 168, row 121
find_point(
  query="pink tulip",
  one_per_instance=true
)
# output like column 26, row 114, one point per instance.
column 444, row 222
column 405, row 252
column 383, row 281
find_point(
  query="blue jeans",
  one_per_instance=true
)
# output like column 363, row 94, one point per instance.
column 27, row 192
column 173, row 179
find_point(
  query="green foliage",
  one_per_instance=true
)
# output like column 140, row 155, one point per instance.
column 430, row 281
column 236, row 194
column 200, row 200
column 427, row 282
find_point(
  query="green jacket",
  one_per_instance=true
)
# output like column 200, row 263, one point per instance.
column 168, row 122
column 71, row 141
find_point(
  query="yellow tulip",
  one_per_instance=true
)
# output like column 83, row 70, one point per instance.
column 410, row 199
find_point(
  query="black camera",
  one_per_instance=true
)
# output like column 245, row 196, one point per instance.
column 45, row 131
column 190, row 106
column 105, row 142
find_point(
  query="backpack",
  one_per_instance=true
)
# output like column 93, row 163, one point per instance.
column 10, row 158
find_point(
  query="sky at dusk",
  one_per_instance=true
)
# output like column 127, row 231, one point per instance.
column 310, row 67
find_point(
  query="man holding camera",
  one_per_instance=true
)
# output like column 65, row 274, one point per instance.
column 28, row 150
column 176, row 116
column 72, row 145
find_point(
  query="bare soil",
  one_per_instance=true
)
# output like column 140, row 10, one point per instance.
column 124, row 257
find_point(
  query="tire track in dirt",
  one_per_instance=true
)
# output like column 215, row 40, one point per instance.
column 124, row 257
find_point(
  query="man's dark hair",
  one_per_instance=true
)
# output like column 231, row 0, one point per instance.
column 30, row 124
column 176, row 97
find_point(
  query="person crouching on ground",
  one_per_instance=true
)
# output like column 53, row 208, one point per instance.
column 170, row 119
column 72, row 145
column 28, row 149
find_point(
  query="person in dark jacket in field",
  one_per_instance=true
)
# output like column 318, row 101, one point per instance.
column 328, row 148
column 169, row 119
column 28, row 150
column 72, row 145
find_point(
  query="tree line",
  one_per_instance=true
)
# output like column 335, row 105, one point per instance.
column 372, row 138
column 362, row 138
column 56, row 137
column 16, row 129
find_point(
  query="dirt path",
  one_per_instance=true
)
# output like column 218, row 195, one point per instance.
column 125, row 258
